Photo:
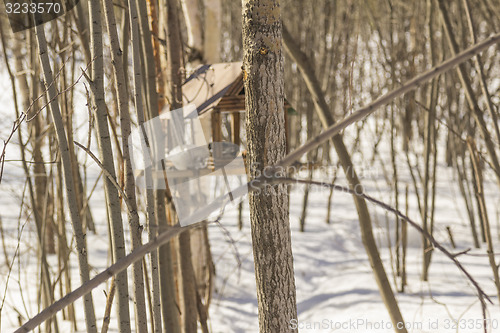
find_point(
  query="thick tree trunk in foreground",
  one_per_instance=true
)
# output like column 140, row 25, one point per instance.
column 265, row 126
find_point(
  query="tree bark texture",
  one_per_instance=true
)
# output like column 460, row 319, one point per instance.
column 265, row 127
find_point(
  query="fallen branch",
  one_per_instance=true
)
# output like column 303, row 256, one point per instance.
column 111, row 271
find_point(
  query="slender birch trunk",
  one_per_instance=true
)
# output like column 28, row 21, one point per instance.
column 428, row 148
column 81, row 246
column 83, row 33
column 480, row 70
column 469, row 93
column 156, row 198
column 105, row 149
column 167, row 258
column 194, row 26
column 265, row 126
column 483, row 210
column 46, row 292
column 34, row 126
column 133, row 217
column 62, row 248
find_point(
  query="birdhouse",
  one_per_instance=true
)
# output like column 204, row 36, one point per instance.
column 218, row 93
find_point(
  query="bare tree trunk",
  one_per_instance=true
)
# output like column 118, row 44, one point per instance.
column 155, row 197
column 169, row 306
column 194, row 26
column 186, row 280
column 212, row 36
column 429, row 146
column 123, row 107
column 187, row 285
column 480, row 70
column 163, row 201
column 469, row 93
column 81, row 21
column 404, row 243
column 138, row 99
column 46, row 292
column 42, row 200
column 303, row 216
column 68, row 177
column 105, row 149
column 484, row 213
column 265, row 127
column 63, row 250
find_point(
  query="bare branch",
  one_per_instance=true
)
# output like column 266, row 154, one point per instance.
column 106, row 173
column 385, row 99
column 111, row 271
column 453, row 257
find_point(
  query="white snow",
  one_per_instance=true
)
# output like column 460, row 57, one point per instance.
column 336, row 290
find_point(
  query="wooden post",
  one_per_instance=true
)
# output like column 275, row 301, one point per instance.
column 235, row 137
column 216, row 132
column 287, row 130
column 235, row 128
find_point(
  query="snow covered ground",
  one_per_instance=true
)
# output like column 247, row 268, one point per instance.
column 336, row 291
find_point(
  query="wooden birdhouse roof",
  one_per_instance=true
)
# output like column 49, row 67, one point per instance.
column 216, row 85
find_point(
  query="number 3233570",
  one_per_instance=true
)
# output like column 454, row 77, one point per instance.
column 33, row 8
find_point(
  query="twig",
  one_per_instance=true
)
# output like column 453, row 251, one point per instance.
column 453, row 257
column 23, row 116
column 111, row 271
column 106, row 173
